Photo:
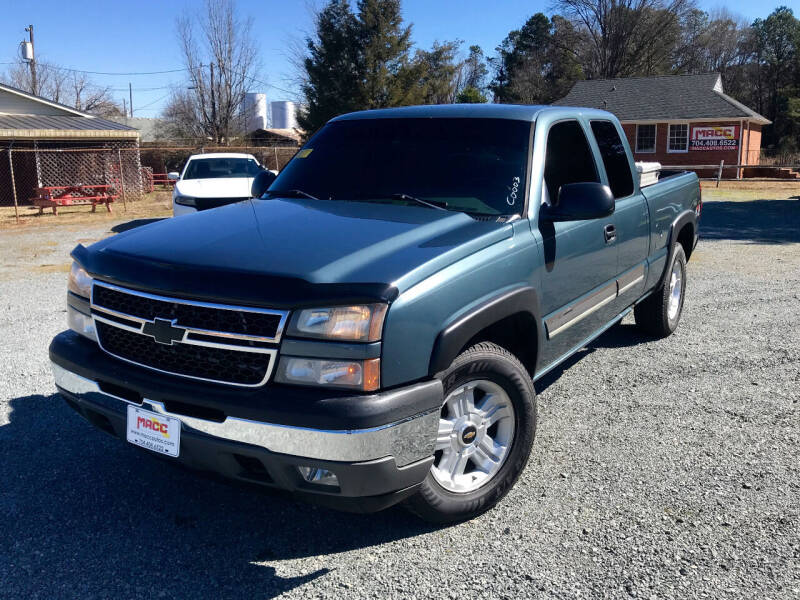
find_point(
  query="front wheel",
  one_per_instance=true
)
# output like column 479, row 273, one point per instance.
column 486, row 430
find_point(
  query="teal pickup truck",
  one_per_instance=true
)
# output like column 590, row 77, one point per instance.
column 367, row 331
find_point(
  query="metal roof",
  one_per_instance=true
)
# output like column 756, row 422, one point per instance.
column 664, row 98
column 58, row 122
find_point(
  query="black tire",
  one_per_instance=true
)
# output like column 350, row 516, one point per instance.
column 484, row 361
column 652, row 314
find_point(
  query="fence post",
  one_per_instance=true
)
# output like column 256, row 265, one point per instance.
column 122, row 180
column 13, row 185
column 719, row 173
column 277, row 168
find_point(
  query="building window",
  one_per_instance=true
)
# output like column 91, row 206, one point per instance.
column 646, row 138
column 678, row 138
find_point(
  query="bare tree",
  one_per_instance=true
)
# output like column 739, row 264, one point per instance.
column 626, row 37
column 222, row 61
column 65, row 86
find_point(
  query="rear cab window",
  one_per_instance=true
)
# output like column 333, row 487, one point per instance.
column 615, row 159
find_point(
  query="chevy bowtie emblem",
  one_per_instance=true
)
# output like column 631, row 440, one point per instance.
column 163, row 331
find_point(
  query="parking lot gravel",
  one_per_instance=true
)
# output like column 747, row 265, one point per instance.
column 661, row 469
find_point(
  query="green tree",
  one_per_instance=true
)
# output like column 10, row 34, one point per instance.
column 437, row 70
column 333, row 67
column 471, row 95
column 537, row 63
column 385, row 44
column 358, row 60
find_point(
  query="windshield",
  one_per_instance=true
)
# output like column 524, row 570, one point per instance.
column 215, row 168
column 473, row 165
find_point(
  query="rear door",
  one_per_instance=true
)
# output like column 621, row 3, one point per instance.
column 631, row 219
column 578, row 281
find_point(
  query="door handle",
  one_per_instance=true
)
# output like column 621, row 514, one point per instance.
column 610, row 233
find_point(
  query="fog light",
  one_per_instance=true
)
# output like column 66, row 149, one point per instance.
column 318, row 476
column 81, row 323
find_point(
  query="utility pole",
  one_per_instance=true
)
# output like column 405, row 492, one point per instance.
column 32, row 63
column 130, row 95
column 213, row 107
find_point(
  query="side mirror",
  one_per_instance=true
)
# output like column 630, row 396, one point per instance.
column 580, row 202
column 261, row 183
column 173, row 176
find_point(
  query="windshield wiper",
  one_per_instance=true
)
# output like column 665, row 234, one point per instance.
column 292, row 194
column 437, row 204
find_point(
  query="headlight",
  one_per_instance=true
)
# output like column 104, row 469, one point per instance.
column 79, row 317
column 354, row 374
column 80, row 282
column 185, row 201
column 362, row 323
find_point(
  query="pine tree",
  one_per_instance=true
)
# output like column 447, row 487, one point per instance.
column 333, row 67
column 385, row 43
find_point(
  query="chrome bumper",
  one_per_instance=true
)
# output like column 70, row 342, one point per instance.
column 409, row 440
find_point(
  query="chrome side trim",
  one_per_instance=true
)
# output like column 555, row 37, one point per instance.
column 580, row 310
column 283, row 314
column 407, row 440
column 630, row 279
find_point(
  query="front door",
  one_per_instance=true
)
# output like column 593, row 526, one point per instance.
column 578, row 281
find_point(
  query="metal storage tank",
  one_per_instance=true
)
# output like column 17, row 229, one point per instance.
column 255, row 111
column 284, row 115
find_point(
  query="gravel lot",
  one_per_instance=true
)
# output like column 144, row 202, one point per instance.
column 661, row 469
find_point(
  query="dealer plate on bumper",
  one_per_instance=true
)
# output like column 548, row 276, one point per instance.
column 154, row 431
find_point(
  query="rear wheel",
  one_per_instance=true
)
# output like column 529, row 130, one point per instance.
column 486, row 429
column 660, row 313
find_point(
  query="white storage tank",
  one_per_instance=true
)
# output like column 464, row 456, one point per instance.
column 255, row 112
column 284, row 115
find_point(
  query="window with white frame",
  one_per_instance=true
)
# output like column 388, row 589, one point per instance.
column 646, row 138
column 678, row 138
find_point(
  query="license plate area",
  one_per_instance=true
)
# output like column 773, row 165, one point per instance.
column 153, row 431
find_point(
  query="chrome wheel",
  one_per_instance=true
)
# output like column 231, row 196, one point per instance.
column 476, row 429
column 675, row 290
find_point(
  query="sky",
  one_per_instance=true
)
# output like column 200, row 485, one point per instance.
column 139, row 36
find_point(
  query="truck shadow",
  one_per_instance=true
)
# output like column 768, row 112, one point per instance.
column 757, row 221
column 128, row 225
column 619, row 336
column 89, row 513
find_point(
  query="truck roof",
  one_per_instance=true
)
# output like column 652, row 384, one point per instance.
column 517, row 112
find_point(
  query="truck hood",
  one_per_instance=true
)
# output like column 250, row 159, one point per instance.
column 224, row 187
column 284, row 252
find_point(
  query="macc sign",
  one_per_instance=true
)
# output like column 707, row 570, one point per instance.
column 714, row 138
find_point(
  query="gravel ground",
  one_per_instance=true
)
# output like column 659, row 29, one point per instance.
column 661, row 469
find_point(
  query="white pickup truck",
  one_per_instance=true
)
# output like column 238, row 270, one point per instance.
column 212, row 180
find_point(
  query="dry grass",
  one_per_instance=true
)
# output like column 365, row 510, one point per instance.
column 157, row 204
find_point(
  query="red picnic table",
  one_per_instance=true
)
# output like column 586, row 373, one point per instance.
column 53, row 196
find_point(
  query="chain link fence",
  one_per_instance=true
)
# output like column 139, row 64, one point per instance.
column 129, row 171
column 26, row 171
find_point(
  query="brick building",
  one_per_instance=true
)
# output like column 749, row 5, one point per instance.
column 678, row 119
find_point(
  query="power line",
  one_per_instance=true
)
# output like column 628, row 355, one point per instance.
column 49, row 66
column 182, row 70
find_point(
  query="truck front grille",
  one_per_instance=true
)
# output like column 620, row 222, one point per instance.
column 221, row 343
column 197, row 315
column 200, row 362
